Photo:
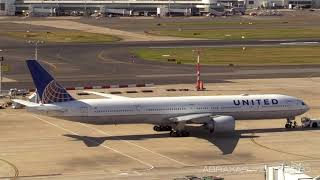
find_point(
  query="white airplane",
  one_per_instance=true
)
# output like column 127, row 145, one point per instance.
column 216, row 113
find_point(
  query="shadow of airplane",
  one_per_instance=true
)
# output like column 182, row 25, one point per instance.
column 225, row 143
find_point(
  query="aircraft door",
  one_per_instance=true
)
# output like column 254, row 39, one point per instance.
column 84, row 110
column 192, row 107
column 138, row 108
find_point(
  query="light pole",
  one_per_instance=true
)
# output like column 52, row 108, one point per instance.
column 169, row 7
column 36, row 45
column 1, row 60
column 85, row 8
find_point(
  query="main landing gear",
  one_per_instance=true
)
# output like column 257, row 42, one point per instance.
column 291, row 123
column 177, row 131
column 182, row 133
column 162, row 128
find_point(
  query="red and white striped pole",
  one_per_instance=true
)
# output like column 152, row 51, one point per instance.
column 199, row 85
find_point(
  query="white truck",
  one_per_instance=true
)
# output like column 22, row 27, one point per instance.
column 18, row 92
column 307, row 122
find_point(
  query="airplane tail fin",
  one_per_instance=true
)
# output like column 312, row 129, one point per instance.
column 49, row 91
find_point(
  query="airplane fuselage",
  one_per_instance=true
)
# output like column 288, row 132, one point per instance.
column 157, row 109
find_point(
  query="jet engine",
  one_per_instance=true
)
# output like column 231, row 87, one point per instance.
column 221, row 124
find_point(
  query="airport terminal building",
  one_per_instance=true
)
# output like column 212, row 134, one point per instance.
column 140, row 7
column 124, row 7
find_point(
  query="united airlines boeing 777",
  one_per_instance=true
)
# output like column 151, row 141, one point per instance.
column 216, row 113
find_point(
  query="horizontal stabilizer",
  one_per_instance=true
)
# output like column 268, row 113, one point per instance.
column 111, row 96
column 25, row 103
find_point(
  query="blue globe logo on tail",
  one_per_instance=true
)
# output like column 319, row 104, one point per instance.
column 55, row 93
column 48, row 89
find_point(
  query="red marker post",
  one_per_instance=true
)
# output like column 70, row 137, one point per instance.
column 199, row 83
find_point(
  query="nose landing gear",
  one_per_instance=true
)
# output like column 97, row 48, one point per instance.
column 291, row 123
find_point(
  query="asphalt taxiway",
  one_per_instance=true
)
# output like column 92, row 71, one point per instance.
column 111, row 63
column 40, row 147
column 99, row 64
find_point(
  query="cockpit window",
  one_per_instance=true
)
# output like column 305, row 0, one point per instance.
column 303, row 103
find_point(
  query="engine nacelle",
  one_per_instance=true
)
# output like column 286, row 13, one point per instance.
column 221, row 124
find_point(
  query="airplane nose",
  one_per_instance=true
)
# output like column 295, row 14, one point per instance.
column 306, row 108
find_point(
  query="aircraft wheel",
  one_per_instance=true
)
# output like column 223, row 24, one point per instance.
column 314, row 125
column 156, row 128
column 185, row 133
column 168, row 128
column 294, row 124
column 173, row 133
column 179, row 133
column 287, row 126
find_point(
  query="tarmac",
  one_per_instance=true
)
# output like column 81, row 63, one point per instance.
column 40, row 147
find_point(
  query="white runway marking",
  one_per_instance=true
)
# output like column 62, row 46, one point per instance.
column 214, row 46
column 237, row 72
column 299, row 43
column 150, row 167
column 131, row 143
column 4, row 79
column 275, row 40
column 281, row 42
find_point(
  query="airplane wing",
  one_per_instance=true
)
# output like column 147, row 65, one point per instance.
column 111, row 96
column 25, row 103
column 190, row 117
